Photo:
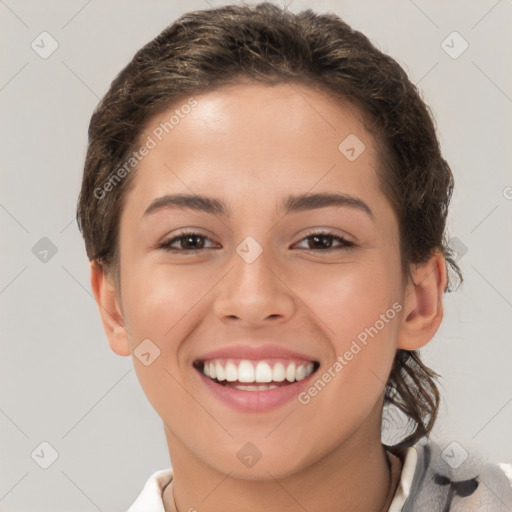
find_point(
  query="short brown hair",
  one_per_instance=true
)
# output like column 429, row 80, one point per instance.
column 207, row 49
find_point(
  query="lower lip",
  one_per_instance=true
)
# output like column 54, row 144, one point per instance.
column 258, row 401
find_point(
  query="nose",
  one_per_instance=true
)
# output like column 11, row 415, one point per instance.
column 254, row 293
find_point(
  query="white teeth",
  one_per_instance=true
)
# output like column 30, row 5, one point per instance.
column 219, row 370
column 261, row 372
column 231, row 372
column 278, row 374
column 290, row 372
column 300, row 372
column 213, row 370
column 256, row 388
column 246, row 371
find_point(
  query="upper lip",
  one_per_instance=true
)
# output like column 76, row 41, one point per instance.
column 251, row 352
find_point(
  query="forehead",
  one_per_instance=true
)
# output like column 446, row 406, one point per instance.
column 274, row 113
column 256, row 140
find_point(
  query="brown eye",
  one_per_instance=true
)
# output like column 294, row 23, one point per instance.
column 324, row 242
column 185, row 242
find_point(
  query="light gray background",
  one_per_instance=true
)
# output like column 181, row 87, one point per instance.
column 60, row 383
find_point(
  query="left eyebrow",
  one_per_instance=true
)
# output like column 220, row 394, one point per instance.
column 303, row 202
column 293, row 203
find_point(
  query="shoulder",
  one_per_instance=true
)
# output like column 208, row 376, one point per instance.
column 449, row 477
column 150, row 498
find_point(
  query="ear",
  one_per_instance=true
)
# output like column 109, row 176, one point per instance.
column 106, row 296
column 423, row 303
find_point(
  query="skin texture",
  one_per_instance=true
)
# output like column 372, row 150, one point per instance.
column 251, row 146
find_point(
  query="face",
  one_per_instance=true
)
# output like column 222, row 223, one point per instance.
column 290, row 305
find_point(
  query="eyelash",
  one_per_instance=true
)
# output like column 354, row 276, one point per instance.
column 167, row 245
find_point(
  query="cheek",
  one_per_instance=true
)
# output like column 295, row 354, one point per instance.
column 164, row 305
column 348, row 297
column 359, row 310
column 350, row 384
column 158, row 297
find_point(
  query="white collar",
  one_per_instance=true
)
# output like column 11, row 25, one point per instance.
column 150, row 499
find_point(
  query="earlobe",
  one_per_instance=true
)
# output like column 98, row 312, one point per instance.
column 423, row 304
column 106, row 296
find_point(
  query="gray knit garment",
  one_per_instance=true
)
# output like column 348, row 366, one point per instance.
column 440, row 485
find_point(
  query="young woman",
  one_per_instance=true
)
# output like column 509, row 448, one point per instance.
column 264, row 205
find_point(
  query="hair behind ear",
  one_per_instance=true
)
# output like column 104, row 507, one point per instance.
column 412, row 388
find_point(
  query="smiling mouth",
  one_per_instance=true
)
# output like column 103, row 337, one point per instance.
column 250, row 375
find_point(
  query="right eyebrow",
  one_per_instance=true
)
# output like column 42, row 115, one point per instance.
column 188, row 201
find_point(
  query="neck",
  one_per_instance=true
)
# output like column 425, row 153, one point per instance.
column 354, row 476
